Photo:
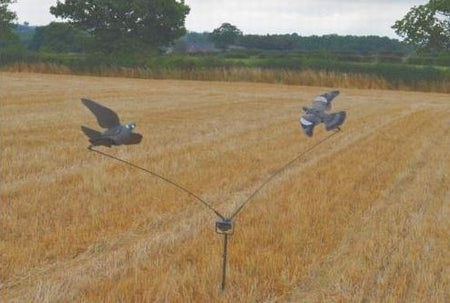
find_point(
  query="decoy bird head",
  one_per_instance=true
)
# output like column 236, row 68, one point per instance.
column 131, row 125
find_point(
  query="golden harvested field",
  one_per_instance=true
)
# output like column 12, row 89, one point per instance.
column 365, row 216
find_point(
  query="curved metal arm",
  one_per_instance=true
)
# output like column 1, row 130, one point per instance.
column 239, row 208
column 162, row 178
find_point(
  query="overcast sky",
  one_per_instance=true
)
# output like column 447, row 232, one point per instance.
column 304, row 17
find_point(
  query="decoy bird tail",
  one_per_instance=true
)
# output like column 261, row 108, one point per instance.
column 90, row 133
column 96, row 138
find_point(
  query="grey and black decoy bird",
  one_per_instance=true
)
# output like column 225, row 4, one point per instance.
column 115, row 134
column 316, row 114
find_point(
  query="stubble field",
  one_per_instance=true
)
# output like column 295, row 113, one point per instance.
column 364, row 216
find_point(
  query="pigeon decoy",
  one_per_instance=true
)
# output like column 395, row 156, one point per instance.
column 316, row 114
column 115, row 134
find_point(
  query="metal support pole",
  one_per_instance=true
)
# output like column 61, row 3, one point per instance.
column 225, row 255
column 225, row 228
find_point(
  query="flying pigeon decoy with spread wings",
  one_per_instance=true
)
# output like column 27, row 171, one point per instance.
column 317, row 114
column 115, row 134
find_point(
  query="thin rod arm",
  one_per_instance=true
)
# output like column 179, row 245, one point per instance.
column 162, row 178
column 239, row 208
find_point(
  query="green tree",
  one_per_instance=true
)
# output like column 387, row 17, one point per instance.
column 226, row 35
column 59, row 38
column 131, row 25
column 7, row 18
column 427, row 27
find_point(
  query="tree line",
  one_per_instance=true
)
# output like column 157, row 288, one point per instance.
column 65, row 38
column 140, row 26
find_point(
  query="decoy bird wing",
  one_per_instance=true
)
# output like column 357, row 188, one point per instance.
column 106, row 117
column 323, row 102
column 307, row 122
column 334, row 120
column 311, row 118
column 134, row 139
